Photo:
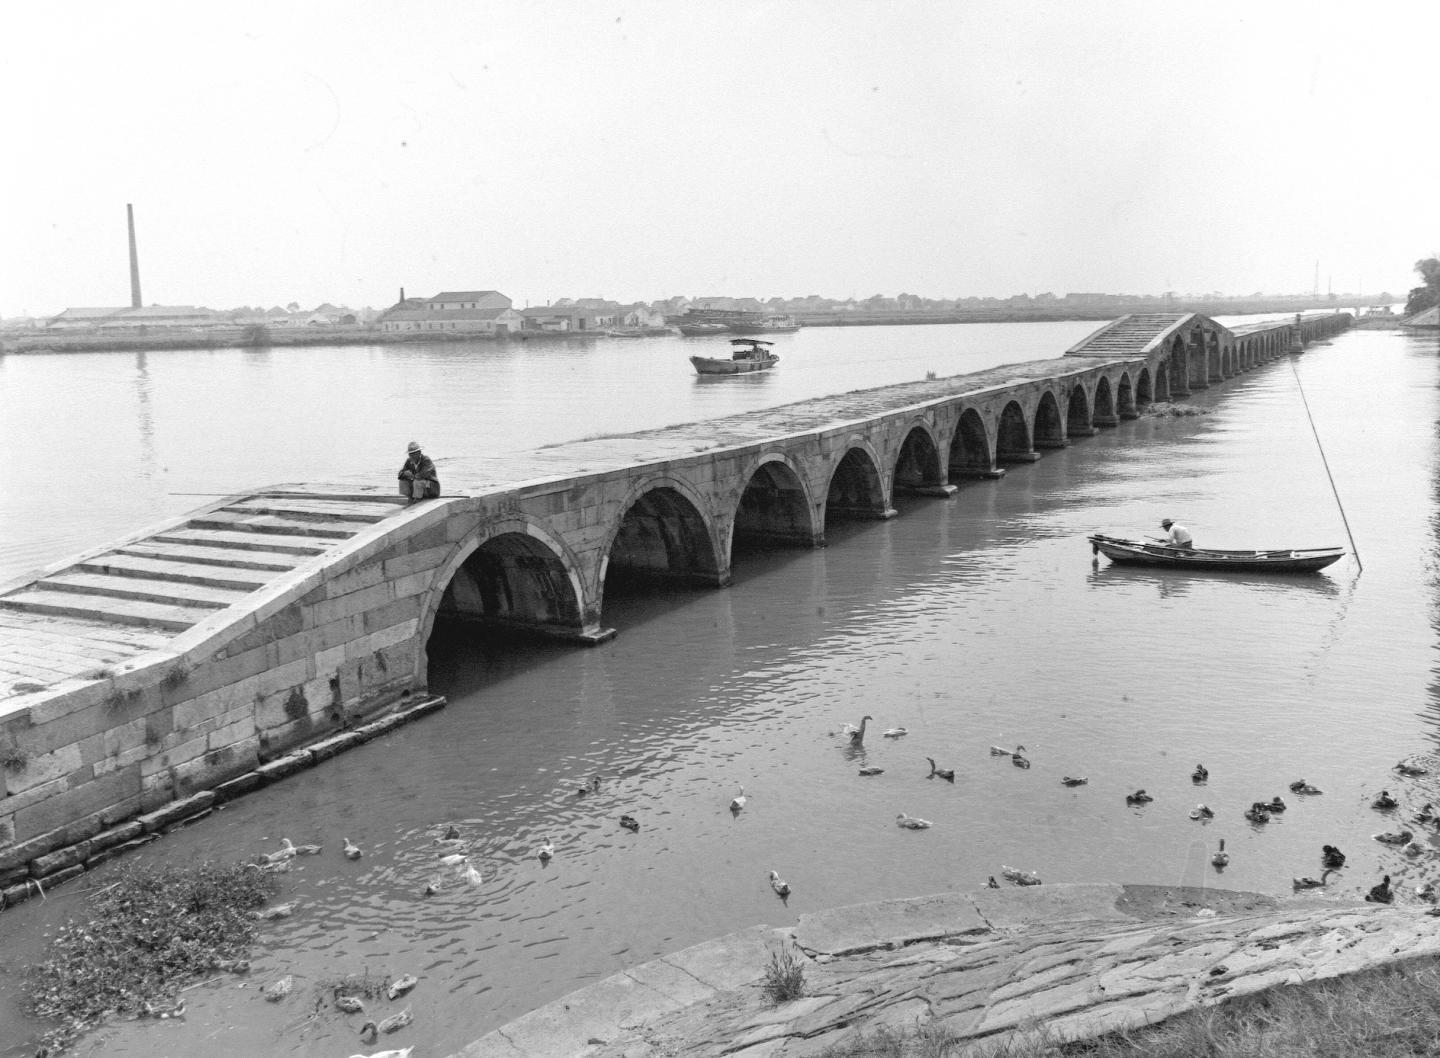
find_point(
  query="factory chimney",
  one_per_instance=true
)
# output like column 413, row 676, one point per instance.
column 134, row 260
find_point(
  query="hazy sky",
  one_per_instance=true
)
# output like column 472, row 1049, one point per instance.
column 310, row 152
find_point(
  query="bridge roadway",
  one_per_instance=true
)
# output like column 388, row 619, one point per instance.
column 192, row 652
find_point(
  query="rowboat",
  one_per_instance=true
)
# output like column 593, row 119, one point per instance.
column 748, row 354
column 1148, row 553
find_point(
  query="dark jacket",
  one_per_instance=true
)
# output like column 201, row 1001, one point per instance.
column 421, row 468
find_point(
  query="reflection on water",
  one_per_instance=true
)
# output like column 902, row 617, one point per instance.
column 971, row 621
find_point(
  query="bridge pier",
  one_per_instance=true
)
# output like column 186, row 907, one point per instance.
column 939, row 489
column 1030, row 456
column 1111, row 421
column 984, row 473
column 1086, row 431
column 1047, row 442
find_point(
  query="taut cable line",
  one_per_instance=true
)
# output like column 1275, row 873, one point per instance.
column 1354, row 550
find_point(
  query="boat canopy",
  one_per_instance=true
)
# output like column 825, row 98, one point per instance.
column 749, row 341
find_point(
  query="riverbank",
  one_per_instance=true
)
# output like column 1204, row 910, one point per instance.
column 1071, row 961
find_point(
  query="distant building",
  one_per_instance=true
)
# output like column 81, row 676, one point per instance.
column 472, row 311
column 130, row 319
column 574, row 314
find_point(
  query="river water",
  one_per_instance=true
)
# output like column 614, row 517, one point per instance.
column 972, row 621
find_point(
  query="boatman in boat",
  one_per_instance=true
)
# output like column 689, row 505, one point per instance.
column 1177, row 536
column 418, row 479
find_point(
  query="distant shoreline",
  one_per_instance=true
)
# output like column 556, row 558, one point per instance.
column 244, row 338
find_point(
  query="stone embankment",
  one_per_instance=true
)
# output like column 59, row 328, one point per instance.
column 1075, row 961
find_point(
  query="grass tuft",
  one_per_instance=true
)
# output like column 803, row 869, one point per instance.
column 785, row 976
column 13, row 758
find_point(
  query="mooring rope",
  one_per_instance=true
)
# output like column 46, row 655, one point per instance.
column 1354, row 550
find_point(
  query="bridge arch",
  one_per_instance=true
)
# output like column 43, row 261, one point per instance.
column 1176, row 366
column 510, row 573
column 1125, row 398
column 1012, row 436
column 663, row 532
column 970, row 446
column 918, row 463
column 856, row 489
column 1048, row 430
column 1077, row 411
column 1104, row 413
column 775, row 506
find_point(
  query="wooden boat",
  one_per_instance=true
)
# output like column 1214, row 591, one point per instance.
column 1150, row 553
column 697, row 330
column 747, row 354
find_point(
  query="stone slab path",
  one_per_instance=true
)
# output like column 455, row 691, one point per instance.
column 1081, row 959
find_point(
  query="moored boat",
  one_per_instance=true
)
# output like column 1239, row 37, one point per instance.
column 700, row 329
column 1278, row 560
column 748, row 354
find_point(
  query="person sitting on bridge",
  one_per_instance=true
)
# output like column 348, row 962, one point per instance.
column 418, row 479
column 1177, row 536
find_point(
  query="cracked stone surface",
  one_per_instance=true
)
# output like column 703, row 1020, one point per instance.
column 1082, row 959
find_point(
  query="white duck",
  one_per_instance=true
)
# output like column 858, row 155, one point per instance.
column 781, row 887
column 738, row 801
column 857, row 734
column 911, row 822
column 894, row 732
column 300, row 850
column 403, row 1052
column 1312, row 883
column 352, row 850
column 545, row 851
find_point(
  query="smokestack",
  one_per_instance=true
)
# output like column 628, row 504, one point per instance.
column 402, row 294
column 134, row 259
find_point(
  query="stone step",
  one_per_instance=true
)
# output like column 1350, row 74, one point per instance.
column 242, row 521
column 235, row 558
column 167, row 592
column 393, row 498
column 168, row 569
column 193, row 536
column 105, row 608
column 314, row 510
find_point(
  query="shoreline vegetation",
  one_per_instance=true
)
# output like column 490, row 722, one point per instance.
column 150, row 933
column 1384, row 1012
column 259, row 336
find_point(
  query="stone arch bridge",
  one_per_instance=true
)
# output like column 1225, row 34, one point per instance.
column 171, row 661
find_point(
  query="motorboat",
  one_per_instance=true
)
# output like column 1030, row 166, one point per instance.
column 746, row 354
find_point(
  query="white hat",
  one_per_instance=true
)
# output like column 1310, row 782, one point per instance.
column 413, row 446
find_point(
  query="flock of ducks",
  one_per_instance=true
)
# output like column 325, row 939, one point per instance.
column 1259, row 813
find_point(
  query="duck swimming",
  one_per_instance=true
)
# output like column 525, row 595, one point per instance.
column 1018, row 876
column 894, row 732
column 1394, row 837
column 630, row 823
column 452, row 833
column 1381, row 894
column 948, row 774
column 394, row 1023
column 1200, row 774
column 992, row 883
column 1139, row 797
column 738, row 801
column 1258, row 812
column 1427, row 892
column 781, row 887
column 1221, row 857
column 1275, row 805
column 872, row 770
column 911, row 822
column 1330, row 856
column 1427, row 814
column 593, row 786
column 1078, row 780
column 1202, row 811
column 1384, row 801
column 1410, row 769
column 1413, row 849
column 1300, row 786
column 1311, row 883
column 352, row 851
column 857, row 734
column 545, row 851
column 1018, row 759
column 300, row 850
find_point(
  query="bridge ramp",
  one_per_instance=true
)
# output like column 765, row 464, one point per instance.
column 132, row 598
